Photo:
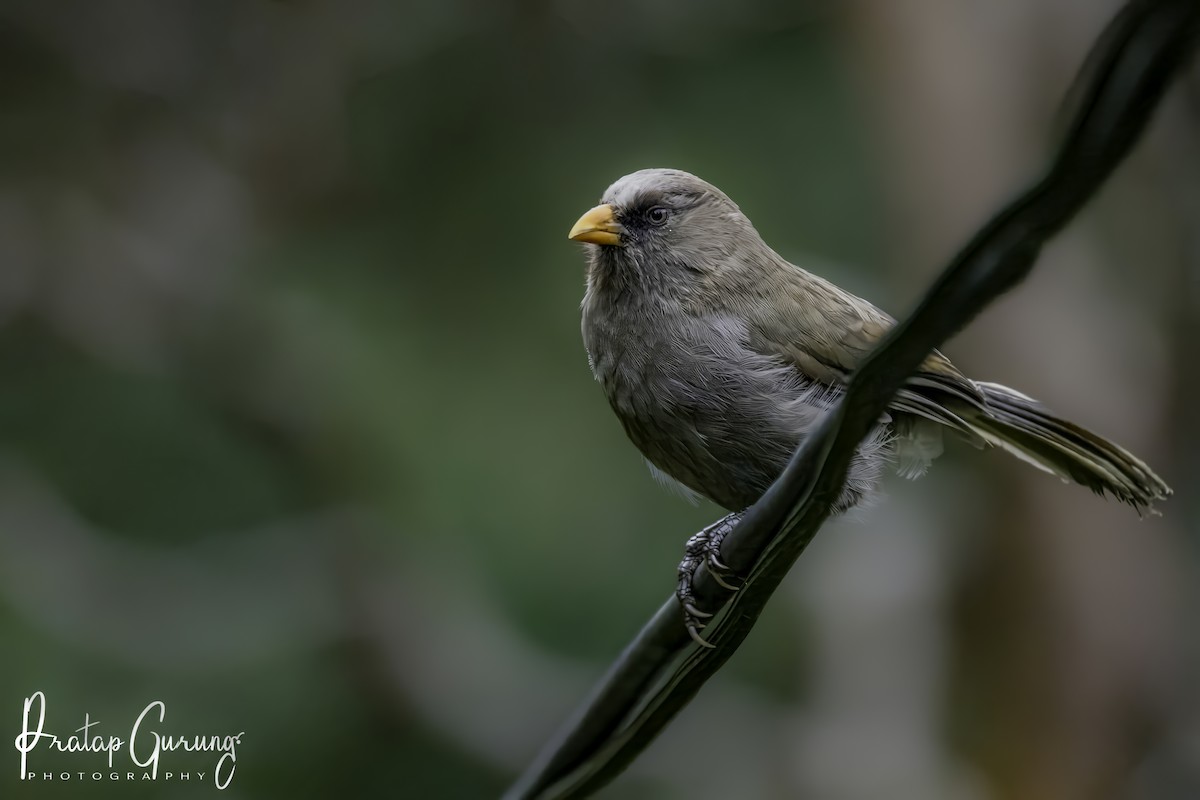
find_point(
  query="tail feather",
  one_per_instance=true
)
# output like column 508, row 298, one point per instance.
column 1030, row 431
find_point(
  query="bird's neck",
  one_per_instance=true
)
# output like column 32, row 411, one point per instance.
column 613, row 272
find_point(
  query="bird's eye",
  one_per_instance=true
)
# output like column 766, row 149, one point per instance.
column 658, row 215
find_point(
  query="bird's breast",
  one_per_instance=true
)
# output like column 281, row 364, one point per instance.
column 699, row 404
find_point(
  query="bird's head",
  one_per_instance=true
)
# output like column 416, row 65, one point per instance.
column 665, row 226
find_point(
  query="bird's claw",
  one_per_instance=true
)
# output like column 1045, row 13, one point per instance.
column 698, row 639
column 713, row 561
column 717, row 576
column 693, row 617
column 703, row 548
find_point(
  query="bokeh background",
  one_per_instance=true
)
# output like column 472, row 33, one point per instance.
column 297, row 434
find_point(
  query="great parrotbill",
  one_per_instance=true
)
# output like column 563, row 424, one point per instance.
column 718, row 355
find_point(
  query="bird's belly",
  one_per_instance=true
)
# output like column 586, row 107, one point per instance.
column 708, row 454
column 721, row 439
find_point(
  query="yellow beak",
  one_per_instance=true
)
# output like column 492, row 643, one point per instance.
column 597, row 226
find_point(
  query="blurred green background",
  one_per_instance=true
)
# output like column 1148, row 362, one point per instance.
column 297, row 434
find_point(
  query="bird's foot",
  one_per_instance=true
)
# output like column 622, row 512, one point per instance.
column 704, row 548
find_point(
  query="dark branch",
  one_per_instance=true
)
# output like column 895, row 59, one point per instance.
column 1123, row 80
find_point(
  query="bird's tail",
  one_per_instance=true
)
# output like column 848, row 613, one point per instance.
column 1033, row 433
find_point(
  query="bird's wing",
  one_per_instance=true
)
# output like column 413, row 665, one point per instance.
column 826, row 332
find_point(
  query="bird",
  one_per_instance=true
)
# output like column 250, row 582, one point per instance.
column 718, row 356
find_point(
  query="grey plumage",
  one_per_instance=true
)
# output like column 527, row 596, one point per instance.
column 718, row 355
